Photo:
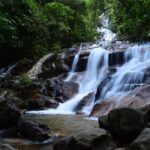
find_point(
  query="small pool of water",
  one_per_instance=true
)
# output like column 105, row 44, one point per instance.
column 60, row 126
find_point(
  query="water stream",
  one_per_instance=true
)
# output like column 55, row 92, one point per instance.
column 130, row 74
column 127, row 76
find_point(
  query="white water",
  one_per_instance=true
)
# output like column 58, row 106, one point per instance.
column 74, row 64
column 129, row 75
column 107, row 36
column 95, row 73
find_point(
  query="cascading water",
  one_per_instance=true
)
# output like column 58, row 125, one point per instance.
column 90, row 80
column 129, row 75
column 126, row 78
column 95, row 73
column 107, row 36
column 74, row 64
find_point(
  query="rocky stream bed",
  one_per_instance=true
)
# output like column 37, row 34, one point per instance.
column 122, row 122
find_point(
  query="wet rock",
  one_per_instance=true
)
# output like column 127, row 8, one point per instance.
column 32, row 130
column 102, row 108
column 80, row 113
column 9, row 132
column 97, row 139
column 100, row 87
column 103, row 122
column 54, row 66
column 137, row 98
column 124, row 124
column 142, row 142
column 29, row 90
column 41, row 102
column 9, row 114
column 69, row 89
column 116, row 58
column 82, row 63
column 147, row 76
column 60, row 89
column 53, row 87
column 85, row 101
column 146, row 111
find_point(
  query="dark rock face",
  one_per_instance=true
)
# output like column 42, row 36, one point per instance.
column 69, row 89
column 28, row 91
column 146, row 111
column 85, row 101
column 142, row 142
column 9, row 114
column 87, row 141
column 102, row 108
column 100, row 87
column 82, row 63
column 60, row 89
column 116, row 58
column 138, row 98
column 9, row 132
column 41, row 102
column 32, row 130
column 124, row 124
column 54, row 66
column 5, row 146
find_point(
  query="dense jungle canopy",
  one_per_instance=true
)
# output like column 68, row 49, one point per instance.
column 31, row 28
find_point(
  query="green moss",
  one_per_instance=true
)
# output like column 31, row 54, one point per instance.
column 24, row 80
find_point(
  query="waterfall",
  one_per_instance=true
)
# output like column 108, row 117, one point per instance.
column 76, row 59
column 129, row 75
column 97, row 67
column 94, row 74
column 107, row 36
column 74, row 64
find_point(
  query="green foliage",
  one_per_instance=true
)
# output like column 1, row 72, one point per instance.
column 58, row 18
column 24, row 80
column 31, row 28
column 22, row 30
column 130, row 18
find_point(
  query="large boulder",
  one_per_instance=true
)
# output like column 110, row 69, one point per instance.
column 142, row 142
column 124, row 124
column 41, row 102
column 9, row 114
column 28, row 91
column 33, row 130
column 57, row 88
column 97, row 139
column 54, row 66
column 69, row 89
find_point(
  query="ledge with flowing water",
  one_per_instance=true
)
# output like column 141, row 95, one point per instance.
column 129, row 74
